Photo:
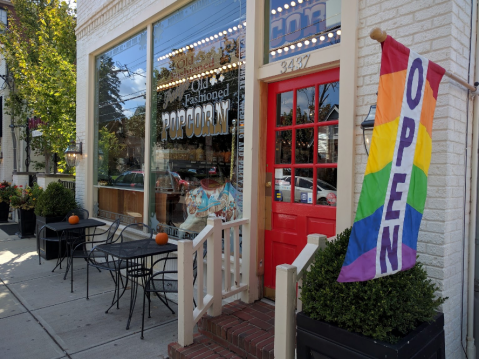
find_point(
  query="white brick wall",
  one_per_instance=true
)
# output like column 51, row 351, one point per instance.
column 439, row 30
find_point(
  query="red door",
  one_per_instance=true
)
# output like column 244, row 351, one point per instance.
column 302, row 156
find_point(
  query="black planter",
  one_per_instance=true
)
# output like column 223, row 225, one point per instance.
column 48, row 249
column 320, row 340
column 4, row 210
column 26, row 219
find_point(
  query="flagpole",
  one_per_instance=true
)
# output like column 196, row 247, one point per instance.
column 380, row 36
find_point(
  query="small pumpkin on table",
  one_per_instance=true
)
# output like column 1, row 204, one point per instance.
column 74, row 219
column 161, row 239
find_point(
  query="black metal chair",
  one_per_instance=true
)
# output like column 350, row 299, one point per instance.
column 60, row 238
column 157, row 283
column 102, row 261
column 81, row 250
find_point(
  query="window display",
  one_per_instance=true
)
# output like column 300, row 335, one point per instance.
column 198, row 117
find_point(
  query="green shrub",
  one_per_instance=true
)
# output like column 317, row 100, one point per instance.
column 386, row 308
column 56, row 200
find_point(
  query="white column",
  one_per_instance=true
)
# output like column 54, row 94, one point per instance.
column 185, row 293
column 214, row 268
column 254, row 59
column 148, row 104
column 347, row 114
column 285, row 312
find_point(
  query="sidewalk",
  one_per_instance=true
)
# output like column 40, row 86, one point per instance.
column 41, row 319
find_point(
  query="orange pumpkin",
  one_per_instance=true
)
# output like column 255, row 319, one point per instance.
column 73, row 219
column 161, row 239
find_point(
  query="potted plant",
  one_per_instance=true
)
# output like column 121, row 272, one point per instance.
column 6, row 191
column 389, row 317
column 24, row 199
column 52, row 206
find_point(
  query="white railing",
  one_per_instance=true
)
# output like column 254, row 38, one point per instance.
column 287, row 297
column 216, row 289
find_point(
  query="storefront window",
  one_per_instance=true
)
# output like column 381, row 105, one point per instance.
column 198, row 116
column 120, row 99
column 299, row 26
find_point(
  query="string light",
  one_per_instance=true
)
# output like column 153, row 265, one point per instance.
column 286, row 6
column 209, row 72
column 300, row 44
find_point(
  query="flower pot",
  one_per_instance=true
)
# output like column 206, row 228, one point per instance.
column 317, row 339
column 4, row 210
column 26, row 219
column 48, row 249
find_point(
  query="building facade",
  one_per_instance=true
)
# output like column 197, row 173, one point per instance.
column 240, row 109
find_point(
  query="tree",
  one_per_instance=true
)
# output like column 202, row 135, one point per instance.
column 109, row 98
column 40, row 50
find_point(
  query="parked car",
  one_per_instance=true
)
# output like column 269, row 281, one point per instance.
column 132, row 179
column 326, row 193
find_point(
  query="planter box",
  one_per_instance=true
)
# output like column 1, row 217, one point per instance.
column 4, row 210
column 316, row 339
column 48, row 249
column 26, row 222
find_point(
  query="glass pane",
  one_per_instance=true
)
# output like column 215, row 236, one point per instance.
column 327, row 179
column 299, row 26
column 282, row 185
column 120, row 102
column 304, row 145
column 303, row 185
column 328, row 102
column 328, row 144
column 283, row 147
column 197, row 127
column 305, row 105
column 284, row 112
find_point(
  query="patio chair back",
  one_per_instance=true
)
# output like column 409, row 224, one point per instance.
column 140, row 227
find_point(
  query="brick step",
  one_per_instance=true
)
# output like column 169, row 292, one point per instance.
column 242, row 331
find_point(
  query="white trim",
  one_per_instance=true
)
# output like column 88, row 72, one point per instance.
column 147, row 154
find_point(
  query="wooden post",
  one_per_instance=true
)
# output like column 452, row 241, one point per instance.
column 285, row 313
column 185, row 293
column 214, row 269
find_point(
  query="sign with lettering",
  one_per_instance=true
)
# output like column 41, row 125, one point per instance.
column 384, row 235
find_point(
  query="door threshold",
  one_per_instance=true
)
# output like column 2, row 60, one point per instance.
column 268, row 301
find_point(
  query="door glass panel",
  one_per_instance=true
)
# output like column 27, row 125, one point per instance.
column 304, row 145
column 305, row 105
column 328, row 102
column 303, row 185
column 284, row 111
column 326, row 183
column 283, row 147
column 328, row 144
column 282, row 185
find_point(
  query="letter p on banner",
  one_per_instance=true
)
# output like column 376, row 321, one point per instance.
column 384, row 235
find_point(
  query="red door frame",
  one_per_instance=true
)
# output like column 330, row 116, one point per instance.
column 294, row 209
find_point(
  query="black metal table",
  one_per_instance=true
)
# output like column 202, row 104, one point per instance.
column 133, row 253
column 64, row 227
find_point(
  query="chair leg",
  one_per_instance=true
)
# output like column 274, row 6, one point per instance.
column 143, row 316
column 71, row 271
column 87, row 279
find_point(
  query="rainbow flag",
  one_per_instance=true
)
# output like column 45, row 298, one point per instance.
column 384, row 236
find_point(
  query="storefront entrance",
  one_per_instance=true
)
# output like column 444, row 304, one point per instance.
column 302, row 156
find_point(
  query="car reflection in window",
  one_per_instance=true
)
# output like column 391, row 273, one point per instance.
column 326, row 193
column 130, row 179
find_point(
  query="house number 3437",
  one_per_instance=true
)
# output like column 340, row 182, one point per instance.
column 294, row 64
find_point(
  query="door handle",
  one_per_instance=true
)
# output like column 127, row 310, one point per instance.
column 268, row 184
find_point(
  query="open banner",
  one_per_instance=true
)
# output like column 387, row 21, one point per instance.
column 384, row 236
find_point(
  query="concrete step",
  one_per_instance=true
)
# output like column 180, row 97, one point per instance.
column 242, row 331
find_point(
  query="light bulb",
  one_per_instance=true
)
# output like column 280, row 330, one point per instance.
column 330, row 35
column 211, row 38
column 207, row 39
column 224, row 32
column 244, row 24
column 293, row 3
column 286, row 6
column 195, row 44
column 280, row 51
column 292, row 47
column 338, row 32
column 280, row 9
column 230, row 30
column 306, row 42
column 286, row 49
column 300, row 1
column 216, row 36
column 300, row 44
column 322, row 38
column 235, row 28
column 273, row 53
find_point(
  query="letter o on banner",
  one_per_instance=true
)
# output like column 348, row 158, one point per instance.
column 416, row 66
